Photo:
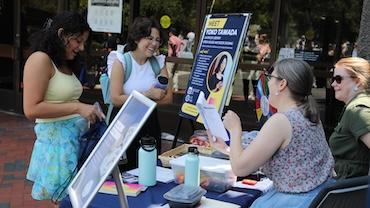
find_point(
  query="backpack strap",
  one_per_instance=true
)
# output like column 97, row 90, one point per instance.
column 128, row 65
column 155, row 65
column 104, row 82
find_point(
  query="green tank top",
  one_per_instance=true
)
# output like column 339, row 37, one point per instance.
column 62, row 88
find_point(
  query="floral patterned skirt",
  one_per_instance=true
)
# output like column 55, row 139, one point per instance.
column 54, row 158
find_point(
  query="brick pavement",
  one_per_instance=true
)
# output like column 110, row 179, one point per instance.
column 16, row 142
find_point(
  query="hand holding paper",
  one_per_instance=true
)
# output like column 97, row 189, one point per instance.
column 211, row 119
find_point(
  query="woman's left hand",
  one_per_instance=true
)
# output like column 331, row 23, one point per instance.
column 232, row 122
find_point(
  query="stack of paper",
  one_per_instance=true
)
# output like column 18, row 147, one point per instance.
column 164, row 175
column 263, row 185
column 130, row 189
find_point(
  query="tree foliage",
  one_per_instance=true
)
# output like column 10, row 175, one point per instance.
column 182, row 13
column 262, row 10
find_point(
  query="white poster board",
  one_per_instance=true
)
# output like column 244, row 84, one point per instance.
column 105, row 15
column 111, row 146
column 285, row 53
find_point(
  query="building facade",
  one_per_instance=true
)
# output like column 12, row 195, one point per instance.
column 319, row 32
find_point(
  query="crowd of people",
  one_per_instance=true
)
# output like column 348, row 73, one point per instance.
column 290, row 147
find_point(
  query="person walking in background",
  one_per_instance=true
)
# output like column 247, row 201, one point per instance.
column 291, row 146
column 50, row 97
column 173, row 50
column 174, row 43
column 143, row 41
column 350, row 141
column 263, row 50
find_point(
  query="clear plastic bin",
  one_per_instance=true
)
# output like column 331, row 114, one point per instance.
column 215, row 174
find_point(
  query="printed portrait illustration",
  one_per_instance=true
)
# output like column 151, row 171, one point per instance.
column 215, row 77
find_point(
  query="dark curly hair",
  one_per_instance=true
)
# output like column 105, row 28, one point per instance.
column 48, row 41
column 141, row 28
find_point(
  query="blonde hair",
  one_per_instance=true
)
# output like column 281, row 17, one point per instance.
column 357, row 67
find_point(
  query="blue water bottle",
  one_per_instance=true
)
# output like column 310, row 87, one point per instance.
column 192, row 169
column 147, row 161
column 162, row 82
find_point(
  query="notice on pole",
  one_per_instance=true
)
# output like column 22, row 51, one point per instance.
column 105, row 15
column 215, row 62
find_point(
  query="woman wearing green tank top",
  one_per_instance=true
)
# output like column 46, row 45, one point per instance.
column 50, row 97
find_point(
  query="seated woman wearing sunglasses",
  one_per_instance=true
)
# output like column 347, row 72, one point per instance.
column 350, row 141
column 291, row 146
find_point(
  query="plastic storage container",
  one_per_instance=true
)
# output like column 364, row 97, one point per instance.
column 183, row 196
column 215, row 174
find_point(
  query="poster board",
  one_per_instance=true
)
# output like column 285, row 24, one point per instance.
column 215, row 62
column 114, row 142
column 105, row 15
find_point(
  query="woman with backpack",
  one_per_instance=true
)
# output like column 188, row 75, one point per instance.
column 136, row 72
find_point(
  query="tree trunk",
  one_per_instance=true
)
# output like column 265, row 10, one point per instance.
column 364, row 36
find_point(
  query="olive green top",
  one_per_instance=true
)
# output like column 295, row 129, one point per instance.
column 350, row 153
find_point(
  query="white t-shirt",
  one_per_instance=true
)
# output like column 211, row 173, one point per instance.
column 142, row 77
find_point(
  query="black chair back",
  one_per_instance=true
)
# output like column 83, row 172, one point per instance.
column 345, row 193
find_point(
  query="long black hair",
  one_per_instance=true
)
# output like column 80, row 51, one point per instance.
column 218, row 68
column 48, row 41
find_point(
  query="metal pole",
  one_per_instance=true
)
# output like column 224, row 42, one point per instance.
column 119, row 186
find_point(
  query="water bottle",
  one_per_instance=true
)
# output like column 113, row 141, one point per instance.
column 147, row 161
column 192, row 169
column 162, row 82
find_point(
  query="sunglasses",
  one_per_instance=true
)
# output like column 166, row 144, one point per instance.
column 338, row 79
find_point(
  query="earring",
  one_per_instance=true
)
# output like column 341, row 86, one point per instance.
column 276, row 93
column 355, row 88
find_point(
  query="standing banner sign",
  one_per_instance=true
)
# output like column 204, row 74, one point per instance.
column 216, row 61
column 105, row 15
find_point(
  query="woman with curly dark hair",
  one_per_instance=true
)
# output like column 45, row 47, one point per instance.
column 142, row 47
column 51, row 94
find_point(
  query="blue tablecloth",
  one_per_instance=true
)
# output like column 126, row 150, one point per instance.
column 154, row 196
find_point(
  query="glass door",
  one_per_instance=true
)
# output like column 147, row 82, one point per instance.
column 7, row 55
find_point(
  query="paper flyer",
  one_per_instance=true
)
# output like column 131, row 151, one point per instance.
column 211, row 119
